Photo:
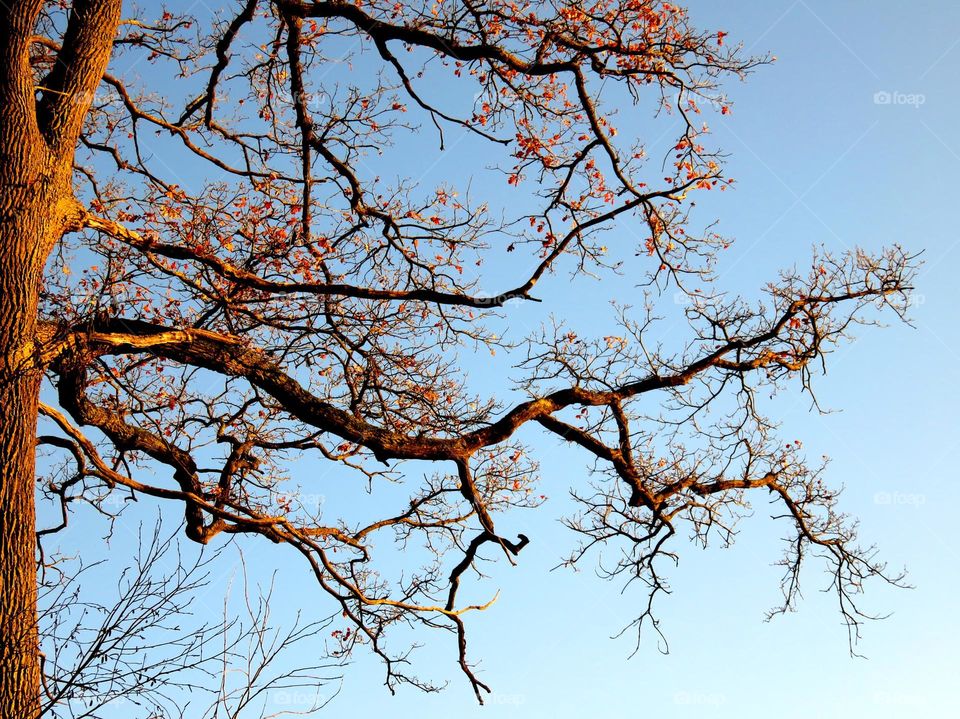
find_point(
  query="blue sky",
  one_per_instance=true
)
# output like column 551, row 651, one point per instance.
column 820, row 157
column 847, row 139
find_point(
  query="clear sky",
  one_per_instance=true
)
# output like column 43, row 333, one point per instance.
column 847, row 139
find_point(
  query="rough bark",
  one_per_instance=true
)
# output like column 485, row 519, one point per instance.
column 36, row 208
column 19, row 668
column 22, row 185
column 24, row 230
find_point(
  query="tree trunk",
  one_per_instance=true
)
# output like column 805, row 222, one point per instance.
column 19, row 387
column 19, row 661
column 37, row 207
column 22, row 165
column 32, row 202
column 24, row 238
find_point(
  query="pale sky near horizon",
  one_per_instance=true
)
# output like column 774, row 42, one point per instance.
column 847, row 139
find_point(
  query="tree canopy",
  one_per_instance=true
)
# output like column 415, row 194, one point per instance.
column 238, row 269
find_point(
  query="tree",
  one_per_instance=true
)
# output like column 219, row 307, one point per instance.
column 148, row 649
column 289, row 299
